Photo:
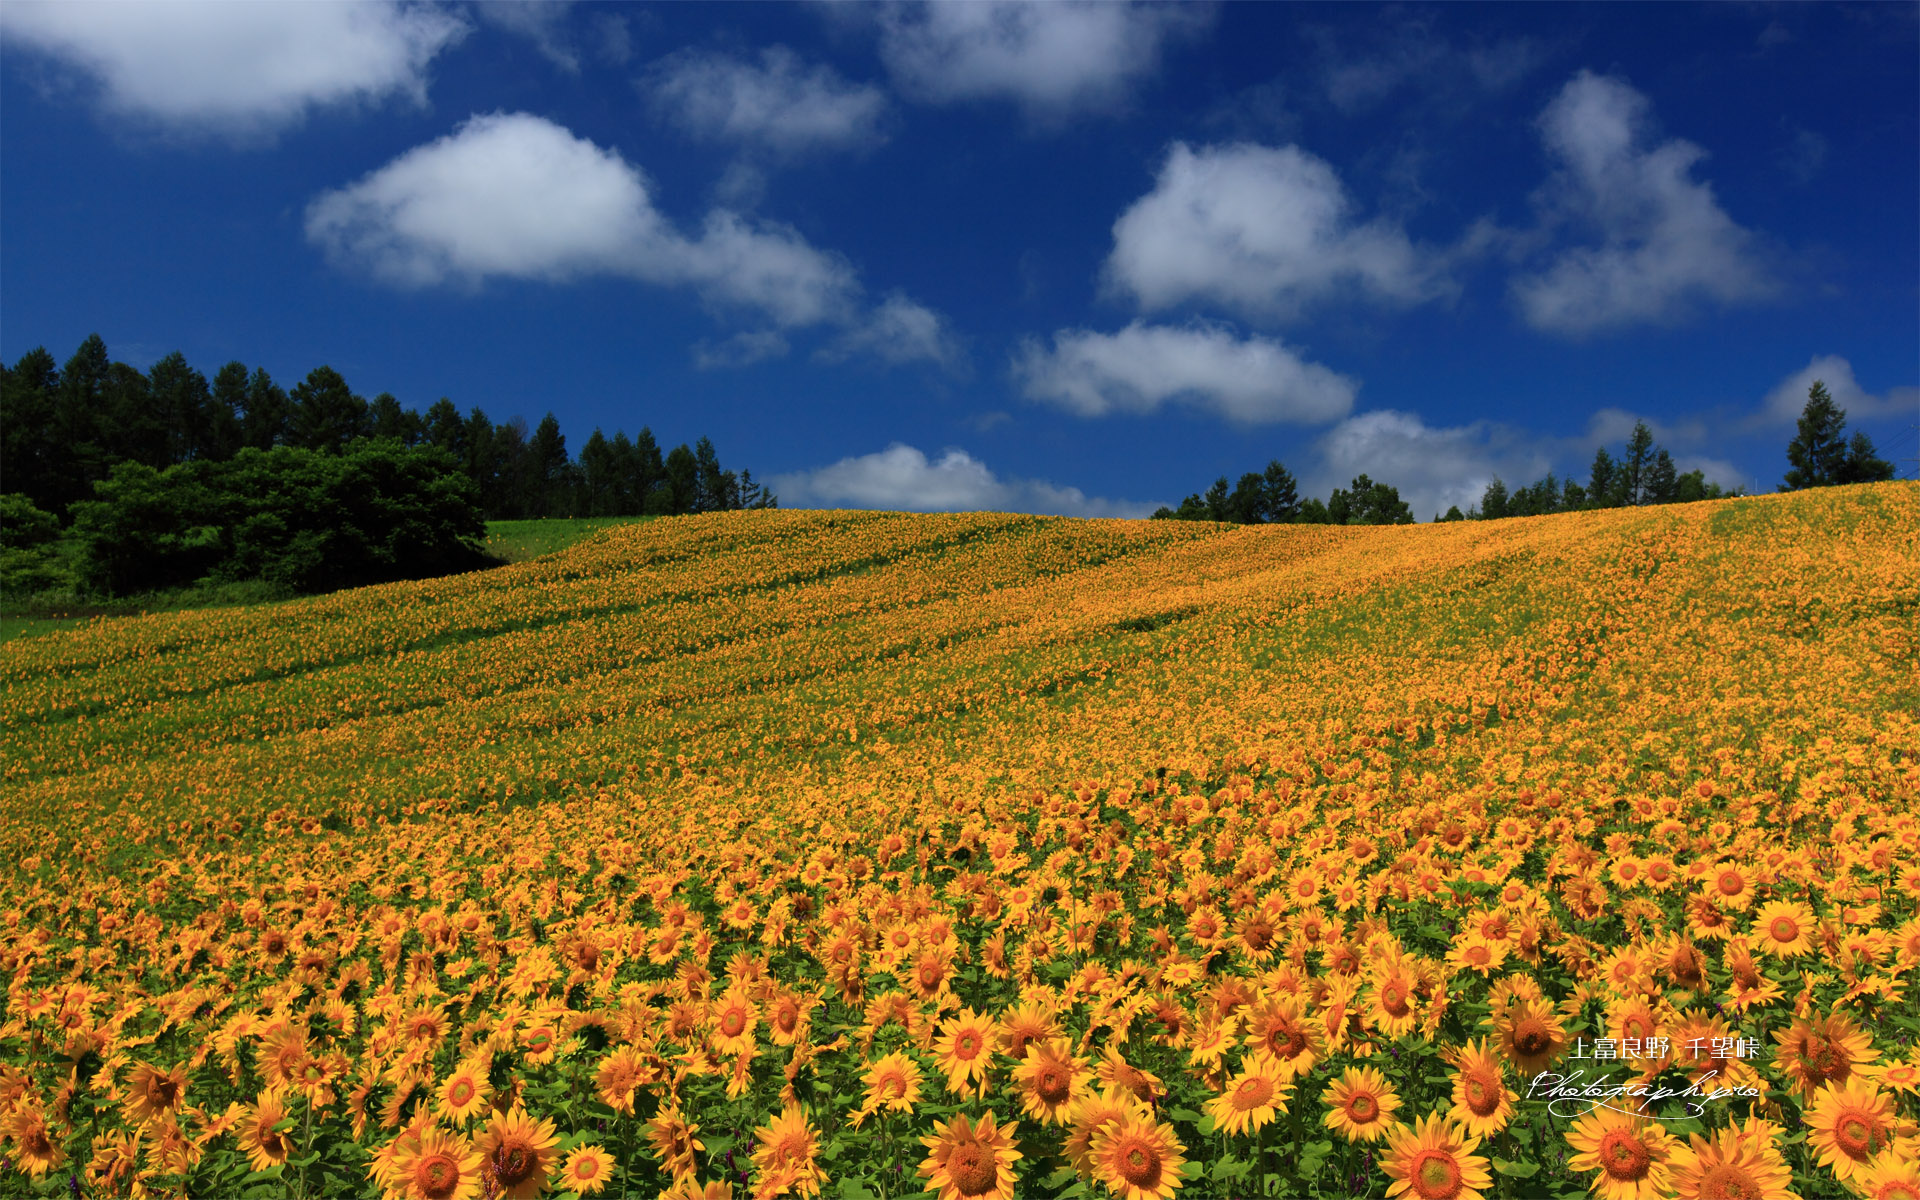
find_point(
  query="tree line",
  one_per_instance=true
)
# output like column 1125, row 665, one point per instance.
column 1644, row 473
column 1272, row 497
column 63, row 430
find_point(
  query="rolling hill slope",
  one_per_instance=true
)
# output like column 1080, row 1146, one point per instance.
column 1154, row 806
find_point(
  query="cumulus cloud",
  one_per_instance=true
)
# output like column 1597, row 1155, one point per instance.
column 1056, row 58
column 514, row 196
column 542, row 22
column 1434, row 467
column 1141, row 368
column 1665, row 244
column 901, row 330
column 741, row 350
column 1410, row 54
column 236, row 69
column 903, row 478
column 1262, row 230
column 1785, row 402
column 777, row 104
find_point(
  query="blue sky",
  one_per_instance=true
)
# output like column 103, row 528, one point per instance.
column 1066, row 258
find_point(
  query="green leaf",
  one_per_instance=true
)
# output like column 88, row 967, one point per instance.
column 1060, row 1178
column 1188, row 1115
column 1193, row 1169
column 1516, row 1170
column 853, row 1189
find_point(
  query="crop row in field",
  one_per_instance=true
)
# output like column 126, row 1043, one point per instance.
column 983, row 855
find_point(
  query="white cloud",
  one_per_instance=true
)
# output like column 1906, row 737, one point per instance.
column 237, row 69
column 514, row 196
column 1433, row 467
column 1055, row 58
column 1665, row 242
column 1785, row 402
column 1143, row 367
column 900, row 330
column 1261, row 230
column 777, row 104
column 542, row 22
column 741, row 350
column 902, row 478
column 505, row 194
column 1613, row 426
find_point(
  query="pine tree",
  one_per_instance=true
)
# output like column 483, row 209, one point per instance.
column 1637, row 464
column 1818, row 451
column 1493, row 501
column 1600, row 482
column 1863, row 465
column 1662, row 482
column 1282, row 493
column 1216, row 500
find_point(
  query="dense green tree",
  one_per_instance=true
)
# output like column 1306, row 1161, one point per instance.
column 389, row 420
column 647, row 475
column 682, row 484
column 1821, row 453
column 29, row 459
column 1663, row 481
column 28, row 560
column 326, row 413
column 599, row 478
column 307, row 520
column 1863, row 465
column 1216, row 500
column 1636, row 465
column 180, row 411
column 1369, row 503
column 548, row 480
column 1313, row 511
column 1247, row 503
column 1453, row 513
column 1493, row 501
column 718, row 490
column 268, row 418
column 1282, row 493
column 227, row 422
column 445, row 429
column 1601, row 482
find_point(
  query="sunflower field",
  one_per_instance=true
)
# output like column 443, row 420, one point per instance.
column 878, row 855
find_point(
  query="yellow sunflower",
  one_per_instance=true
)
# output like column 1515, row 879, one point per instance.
column 1482, row 1101
column 1824, row 1050
column 587, row 1171
column 1632, row 1154
column 1889, row 1178
column 1252, row 1098
column 1783, row 928
column 34, row 1144
column 674, row 1143
column 515, row 1154
column 464, row 1094
column 1530, row 1036
column 786, row 1148
column 1360, row 1105
column 264, row 1144
column 1851, row 1124
column 1050, row 1079
column 440, row 1166
column 1434, row 1160
column 965, row 1049
column 893, row 1083
column 967, row 1161
column 1741, row 1161
column 1138, row 1158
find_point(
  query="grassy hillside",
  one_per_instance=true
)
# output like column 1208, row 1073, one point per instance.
column 1147, row 787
